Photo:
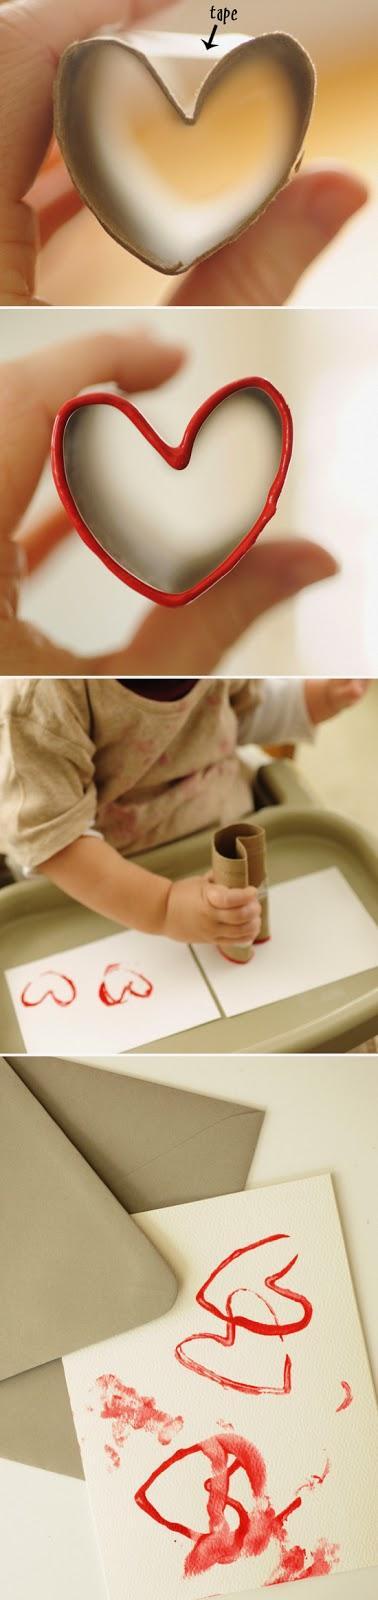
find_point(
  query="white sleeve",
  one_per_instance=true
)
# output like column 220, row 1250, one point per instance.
column 280, row 716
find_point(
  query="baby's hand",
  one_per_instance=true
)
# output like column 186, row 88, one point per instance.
column 200, row 911
column 325, row 697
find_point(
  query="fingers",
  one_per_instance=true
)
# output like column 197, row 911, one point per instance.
column 32, row 38
column 347, row 691
column 230, row 900
column 38, row 542
column 271, row 573
column 341, row 695
column 327, row 697
column 54, row 200
column 133, row 361
column 265, row 264
column 12, row 568
column 236, row 913
column 23, row 649
column 32, row 390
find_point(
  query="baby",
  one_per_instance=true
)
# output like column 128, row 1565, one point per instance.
column 96, row 770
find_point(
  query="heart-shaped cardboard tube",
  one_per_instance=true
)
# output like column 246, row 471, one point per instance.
column 239, row 859
column 172, row 185
column 166, row 536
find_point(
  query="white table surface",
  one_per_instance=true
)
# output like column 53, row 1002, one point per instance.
column 321, row 1115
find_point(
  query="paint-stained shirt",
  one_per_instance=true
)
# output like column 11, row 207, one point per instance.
column 78, row 755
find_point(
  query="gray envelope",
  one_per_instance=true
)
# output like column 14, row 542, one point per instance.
column 79, row 1148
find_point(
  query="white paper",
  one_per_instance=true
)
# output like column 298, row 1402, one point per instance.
column 315, row 1437
column 320, row 933
column 167, row 993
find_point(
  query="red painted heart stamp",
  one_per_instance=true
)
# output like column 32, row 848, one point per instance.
column 232, row 466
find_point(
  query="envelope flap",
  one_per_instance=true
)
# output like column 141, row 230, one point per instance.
column 74, row 1267
column 153, row 1145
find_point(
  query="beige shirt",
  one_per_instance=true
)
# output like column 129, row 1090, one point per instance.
column 78, row 754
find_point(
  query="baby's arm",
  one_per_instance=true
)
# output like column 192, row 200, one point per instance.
column 326, row 697
column 289, row 709
column 279, row 715
column 189, row 910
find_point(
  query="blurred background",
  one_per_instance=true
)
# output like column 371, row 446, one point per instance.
column 325, row 364
column 343, row 41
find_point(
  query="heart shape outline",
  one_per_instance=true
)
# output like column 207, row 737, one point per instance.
column 105, row 993
column 49, row 994
column 227, row 1444
column 232, row 1322
column 178, row 457
column 256, row 1528
column 298, row 64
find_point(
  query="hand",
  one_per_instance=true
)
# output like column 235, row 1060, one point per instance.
column 260, row 268
column 199, row 911
column 33, row 36
column 325, row 697
column 31, row 391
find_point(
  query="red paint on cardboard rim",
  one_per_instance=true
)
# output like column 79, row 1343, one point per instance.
column 177, row 457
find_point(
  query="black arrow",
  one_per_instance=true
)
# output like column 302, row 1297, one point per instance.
column 209, row 43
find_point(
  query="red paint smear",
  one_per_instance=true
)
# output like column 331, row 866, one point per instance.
column 114, row 1457
column 255, row 1529
column 49, row 994
column 348, row 1396
column 312, row 1482
column 322, row 1560
column 128, row 1411
column 135, row 984
column 227, row 1339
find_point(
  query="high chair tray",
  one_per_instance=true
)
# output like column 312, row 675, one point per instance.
column 36, row 919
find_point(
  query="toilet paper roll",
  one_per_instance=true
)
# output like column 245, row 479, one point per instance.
column 239, row 859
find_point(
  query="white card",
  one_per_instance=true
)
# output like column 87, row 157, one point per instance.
column 264, row 1469
column 320, row 933
column 111, row 995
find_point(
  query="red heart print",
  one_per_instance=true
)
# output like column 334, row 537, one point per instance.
column 177, row 457
column 258, row 1524
column 224, row 1453
column 61, row 989
column 119, row 982
column 267, row 1329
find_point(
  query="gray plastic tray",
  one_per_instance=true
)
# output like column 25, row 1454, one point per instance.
column 36, row 919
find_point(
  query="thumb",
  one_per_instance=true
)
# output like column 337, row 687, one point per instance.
column 196, row 642
column 263, row 266
column 33, row 36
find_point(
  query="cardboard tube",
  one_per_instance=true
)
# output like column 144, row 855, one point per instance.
column 126, row 148
column 239, row 859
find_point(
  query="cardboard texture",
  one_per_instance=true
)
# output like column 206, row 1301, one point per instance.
column 128, row 162
column 79, row 1148
column 233, row 1444
column 239, row 859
